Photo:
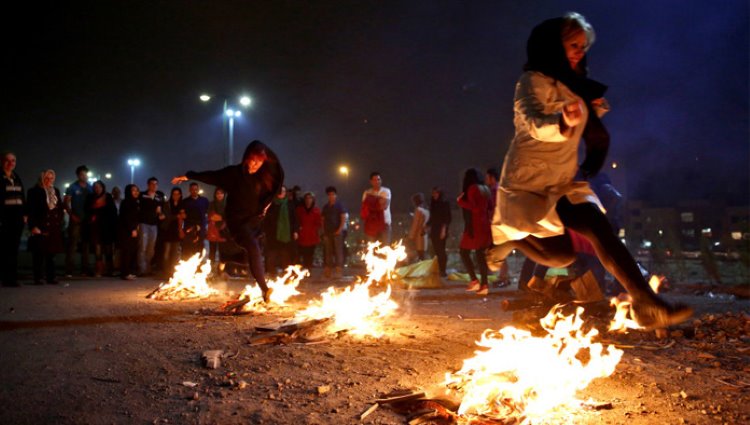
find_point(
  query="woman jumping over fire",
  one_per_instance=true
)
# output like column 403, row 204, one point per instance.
column 556, row 106
column 250, row 187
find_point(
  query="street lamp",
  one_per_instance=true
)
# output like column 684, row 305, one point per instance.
column 133, row 162
column 231, row 113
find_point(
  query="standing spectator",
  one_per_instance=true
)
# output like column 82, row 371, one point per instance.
column 12, row 220
column 475, row 201
column 216, row 232
column 334, row 223
column 196, row 207
column 438, row 222
column 101, row 217
column 117, row 197
column 127, row 231
column 417, row 234
column 171, row 228
column 492, row 179
column 310, row 221
column 151, row 204
column 281, row 231
column 75, row 204
column 295, row 197
column 46, row 214
column 251, row 186
column 376, row 210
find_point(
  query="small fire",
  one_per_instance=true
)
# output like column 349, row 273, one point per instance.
column 282, row 288
column 528, row 378
column 623, row 305
column 656, row 283
column 354, row 309
column 381, row 260
column 187, row 282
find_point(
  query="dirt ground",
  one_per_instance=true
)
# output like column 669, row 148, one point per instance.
column 95, row 351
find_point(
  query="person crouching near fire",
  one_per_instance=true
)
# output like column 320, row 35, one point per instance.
column 250, row 188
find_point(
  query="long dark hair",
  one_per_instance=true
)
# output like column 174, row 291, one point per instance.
column 472, row 176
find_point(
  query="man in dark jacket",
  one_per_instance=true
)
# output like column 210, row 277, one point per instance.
column 12, row 219
column 250, row 186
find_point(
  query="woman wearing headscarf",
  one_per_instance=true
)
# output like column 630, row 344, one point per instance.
column 250, row 186
column 281, row 232
column 46, row 213
column 310, row 221
column 557, row 106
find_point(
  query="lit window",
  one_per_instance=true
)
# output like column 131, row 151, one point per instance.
column 686, row 217
column 706, row 231
column 736, row 235
column 646, row 244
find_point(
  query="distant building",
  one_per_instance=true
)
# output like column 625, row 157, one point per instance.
column 685, row 226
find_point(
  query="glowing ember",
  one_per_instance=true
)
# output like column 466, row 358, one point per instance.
column 282, row 288
column 623, row 319
column 354, row 309
column 528, row 378
column 187, row 282
column 656, row 283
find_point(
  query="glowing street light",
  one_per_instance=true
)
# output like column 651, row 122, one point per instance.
column 231, row 113
column 133, row 162
column 108, row 176
column 344, row 171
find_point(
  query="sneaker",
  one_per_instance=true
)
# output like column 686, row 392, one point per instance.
column 652, row 316
column 130, row 277
column 484, row 290
column 473, row 286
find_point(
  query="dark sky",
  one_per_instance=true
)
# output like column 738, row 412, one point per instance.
column 419, row 90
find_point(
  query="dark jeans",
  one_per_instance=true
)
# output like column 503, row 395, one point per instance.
column 43, row 263
column 248, row 238
column 481, row 260
column 308, row 253
column 333, row 249
column 10, row 239
column 589, row 221
column 438, row 247
column 74, row 238
column 128, row 253
column 278, row 255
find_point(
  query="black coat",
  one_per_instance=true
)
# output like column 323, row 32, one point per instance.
column 128, row 219
column 101, row 222
column 49, row 221
column 272, row 219
column 248, row 195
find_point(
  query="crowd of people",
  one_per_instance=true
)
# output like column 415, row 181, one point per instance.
column 541, row 204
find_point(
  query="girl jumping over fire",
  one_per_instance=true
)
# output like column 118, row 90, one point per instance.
column 556, row 106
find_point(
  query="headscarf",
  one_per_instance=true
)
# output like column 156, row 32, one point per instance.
column 546, row 54
column 52, row 199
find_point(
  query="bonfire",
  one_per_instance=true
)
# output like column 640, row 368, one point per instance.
column 187, row 282
column 521, row 377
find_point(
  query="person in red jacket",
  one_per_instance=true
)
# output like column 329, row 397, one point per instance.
column 476, row 203
column 310, row 222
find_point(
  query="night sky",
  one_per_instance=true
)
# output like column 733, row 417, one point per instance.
column 418, row 90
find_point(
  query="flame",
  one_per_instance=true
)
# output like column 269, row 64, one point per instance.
column 529, row 378
column 656, row 283
column 381, row 261
column 353, row 308
column 282, row 288
column 187, row 282
column 623, row 319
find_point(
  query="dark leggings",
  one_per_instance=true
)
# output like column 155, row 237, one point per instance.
column 481, row 260
column 247, row 237
column 438, row 247
column 589, row 221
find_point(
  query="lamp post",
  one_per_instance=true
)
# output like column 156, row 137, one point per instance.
column 133, row 162
column 229, row 112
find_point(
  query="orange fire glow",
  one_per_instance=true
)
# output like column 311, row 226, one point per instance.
column 187, row 282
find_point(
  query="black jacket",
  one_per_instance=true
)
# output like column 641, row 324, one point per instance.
column 248, row 195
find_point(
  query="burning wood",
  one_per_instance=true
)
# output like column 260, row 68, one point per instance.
column 251, row 298
column 521, row 377
column 187, row 282
column 285, row 333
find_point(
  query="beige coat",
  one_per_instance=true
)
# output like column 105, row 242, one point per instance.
column 417, row 231
column 541, row 162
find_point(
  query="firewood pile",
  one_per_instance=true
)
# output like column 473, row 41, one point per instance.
column 306, row 332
